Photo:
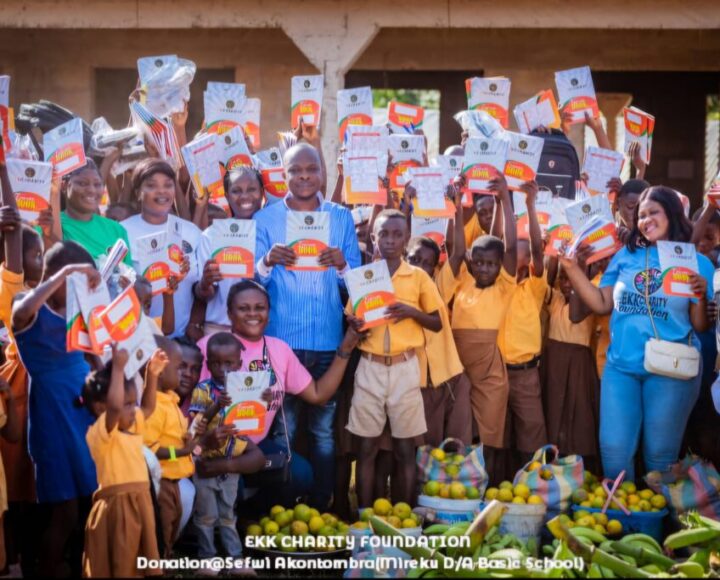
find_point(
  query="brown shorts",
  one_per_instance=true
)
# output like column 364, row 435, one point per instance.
column 170, row 511
column 448, row 412
column 387, row 392
column 525, row 421
column 484, row 366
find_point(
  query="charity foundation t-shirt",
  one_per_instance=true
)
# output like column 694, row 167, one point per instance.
column 630, row 325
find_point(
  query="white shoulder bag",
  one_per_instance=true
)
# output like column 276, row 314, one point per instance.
column 665, row 358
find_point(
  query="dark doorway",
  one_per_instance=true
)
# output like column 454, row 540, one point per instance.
column 679, row 102
column 451, row 85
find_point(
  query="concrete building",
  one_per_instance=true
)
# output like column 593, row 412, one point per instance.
column 661, row 55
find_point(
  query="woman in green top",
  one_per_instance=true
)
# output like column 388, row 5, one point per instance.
column 81, row 221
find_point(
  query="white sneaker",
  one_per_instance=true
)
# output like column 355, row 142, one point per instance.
column 206, row 570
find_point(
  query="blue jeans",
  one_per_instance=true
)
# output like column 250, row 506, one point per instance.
column 321, row 421
column 215, row 507
column 301, row 482
column 633, row 404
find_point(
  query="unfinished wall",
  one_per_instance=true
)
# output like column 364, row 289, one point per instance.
column 59, row 64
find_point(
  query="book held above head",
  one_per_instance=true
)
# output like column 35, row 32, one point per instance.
column 538, row 111
column 484, row 160
column 601, row 165
column 489, row 94
column 224, row 104
column 306, row 100
column 406, row 151
column 30, row 182
column 639, row 128
column 404, row 118
column 354, row 107
column 64, row 147
column 576, row 93
column 523, row 159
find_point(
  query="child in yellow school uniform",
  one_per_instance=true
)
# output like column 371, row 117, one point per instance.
column 571, row 389
column 166, row 433
column 387, row 380
column 520, row 342
column 482, row 284
column 446, row 390
column 121, row 525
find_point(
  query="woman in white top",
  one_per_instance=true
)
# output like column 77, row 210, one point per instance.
column 154, row 186
column 245, row 194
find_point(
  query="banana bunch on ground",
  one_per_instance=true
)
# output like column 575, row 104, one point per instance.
column 701, row 537
column 641, row 556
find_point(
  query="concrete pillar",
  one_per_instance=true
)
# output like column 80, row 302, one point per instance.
column 332, row 46
column 611, row 105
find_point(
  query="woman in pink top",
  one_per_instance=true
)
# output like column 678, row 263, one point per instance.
column 248, row 307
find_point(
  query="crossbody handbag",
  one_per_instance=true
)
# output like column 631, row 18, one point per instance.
column 276, row 470
column 662, row 357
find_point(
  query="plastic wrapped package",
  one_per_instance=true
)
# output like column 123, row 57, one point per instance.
column 165, row 83
column 479, row 124
column 105, row 139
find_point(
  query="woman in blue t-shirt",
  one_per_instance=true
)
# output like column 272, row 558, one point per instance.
column 636, row 405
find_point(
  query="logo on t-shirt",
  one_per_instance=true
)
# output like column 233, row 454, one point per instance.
column 641, row 279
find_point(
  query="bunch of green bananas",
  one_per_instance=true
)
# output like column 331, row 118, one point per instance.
column 701, row 536
column 640, row 555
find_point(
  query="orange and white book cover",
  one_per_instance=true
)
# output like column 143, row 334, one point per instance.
column 307, row 234
column 489, row 94
column 430, row 188
column 538, row 111
column 232, row 246
column 306, row 95
column 576, row 93
column 270, row 164
column 523, row 159
column 362, row 184
column 543, row 209
column 355, row 107
column 678, row 261
column 224, row 104
column 404, row 118
column 247, row 412
column 371, row 291
column 64, row 147
column 30, row 182
column 639, row 128
column 151, row 254
column 406, row 151
column 484, row 160
column 234, row 151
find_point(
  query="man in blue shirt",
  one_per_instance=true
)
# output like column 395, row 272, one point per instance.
column 306, row 309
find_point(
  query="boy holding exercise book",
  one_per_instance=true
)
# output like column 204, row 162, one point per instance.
column 387, row 380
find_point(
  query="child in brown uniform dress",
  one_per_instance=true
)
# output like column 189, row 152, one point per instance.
column 482, row 285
